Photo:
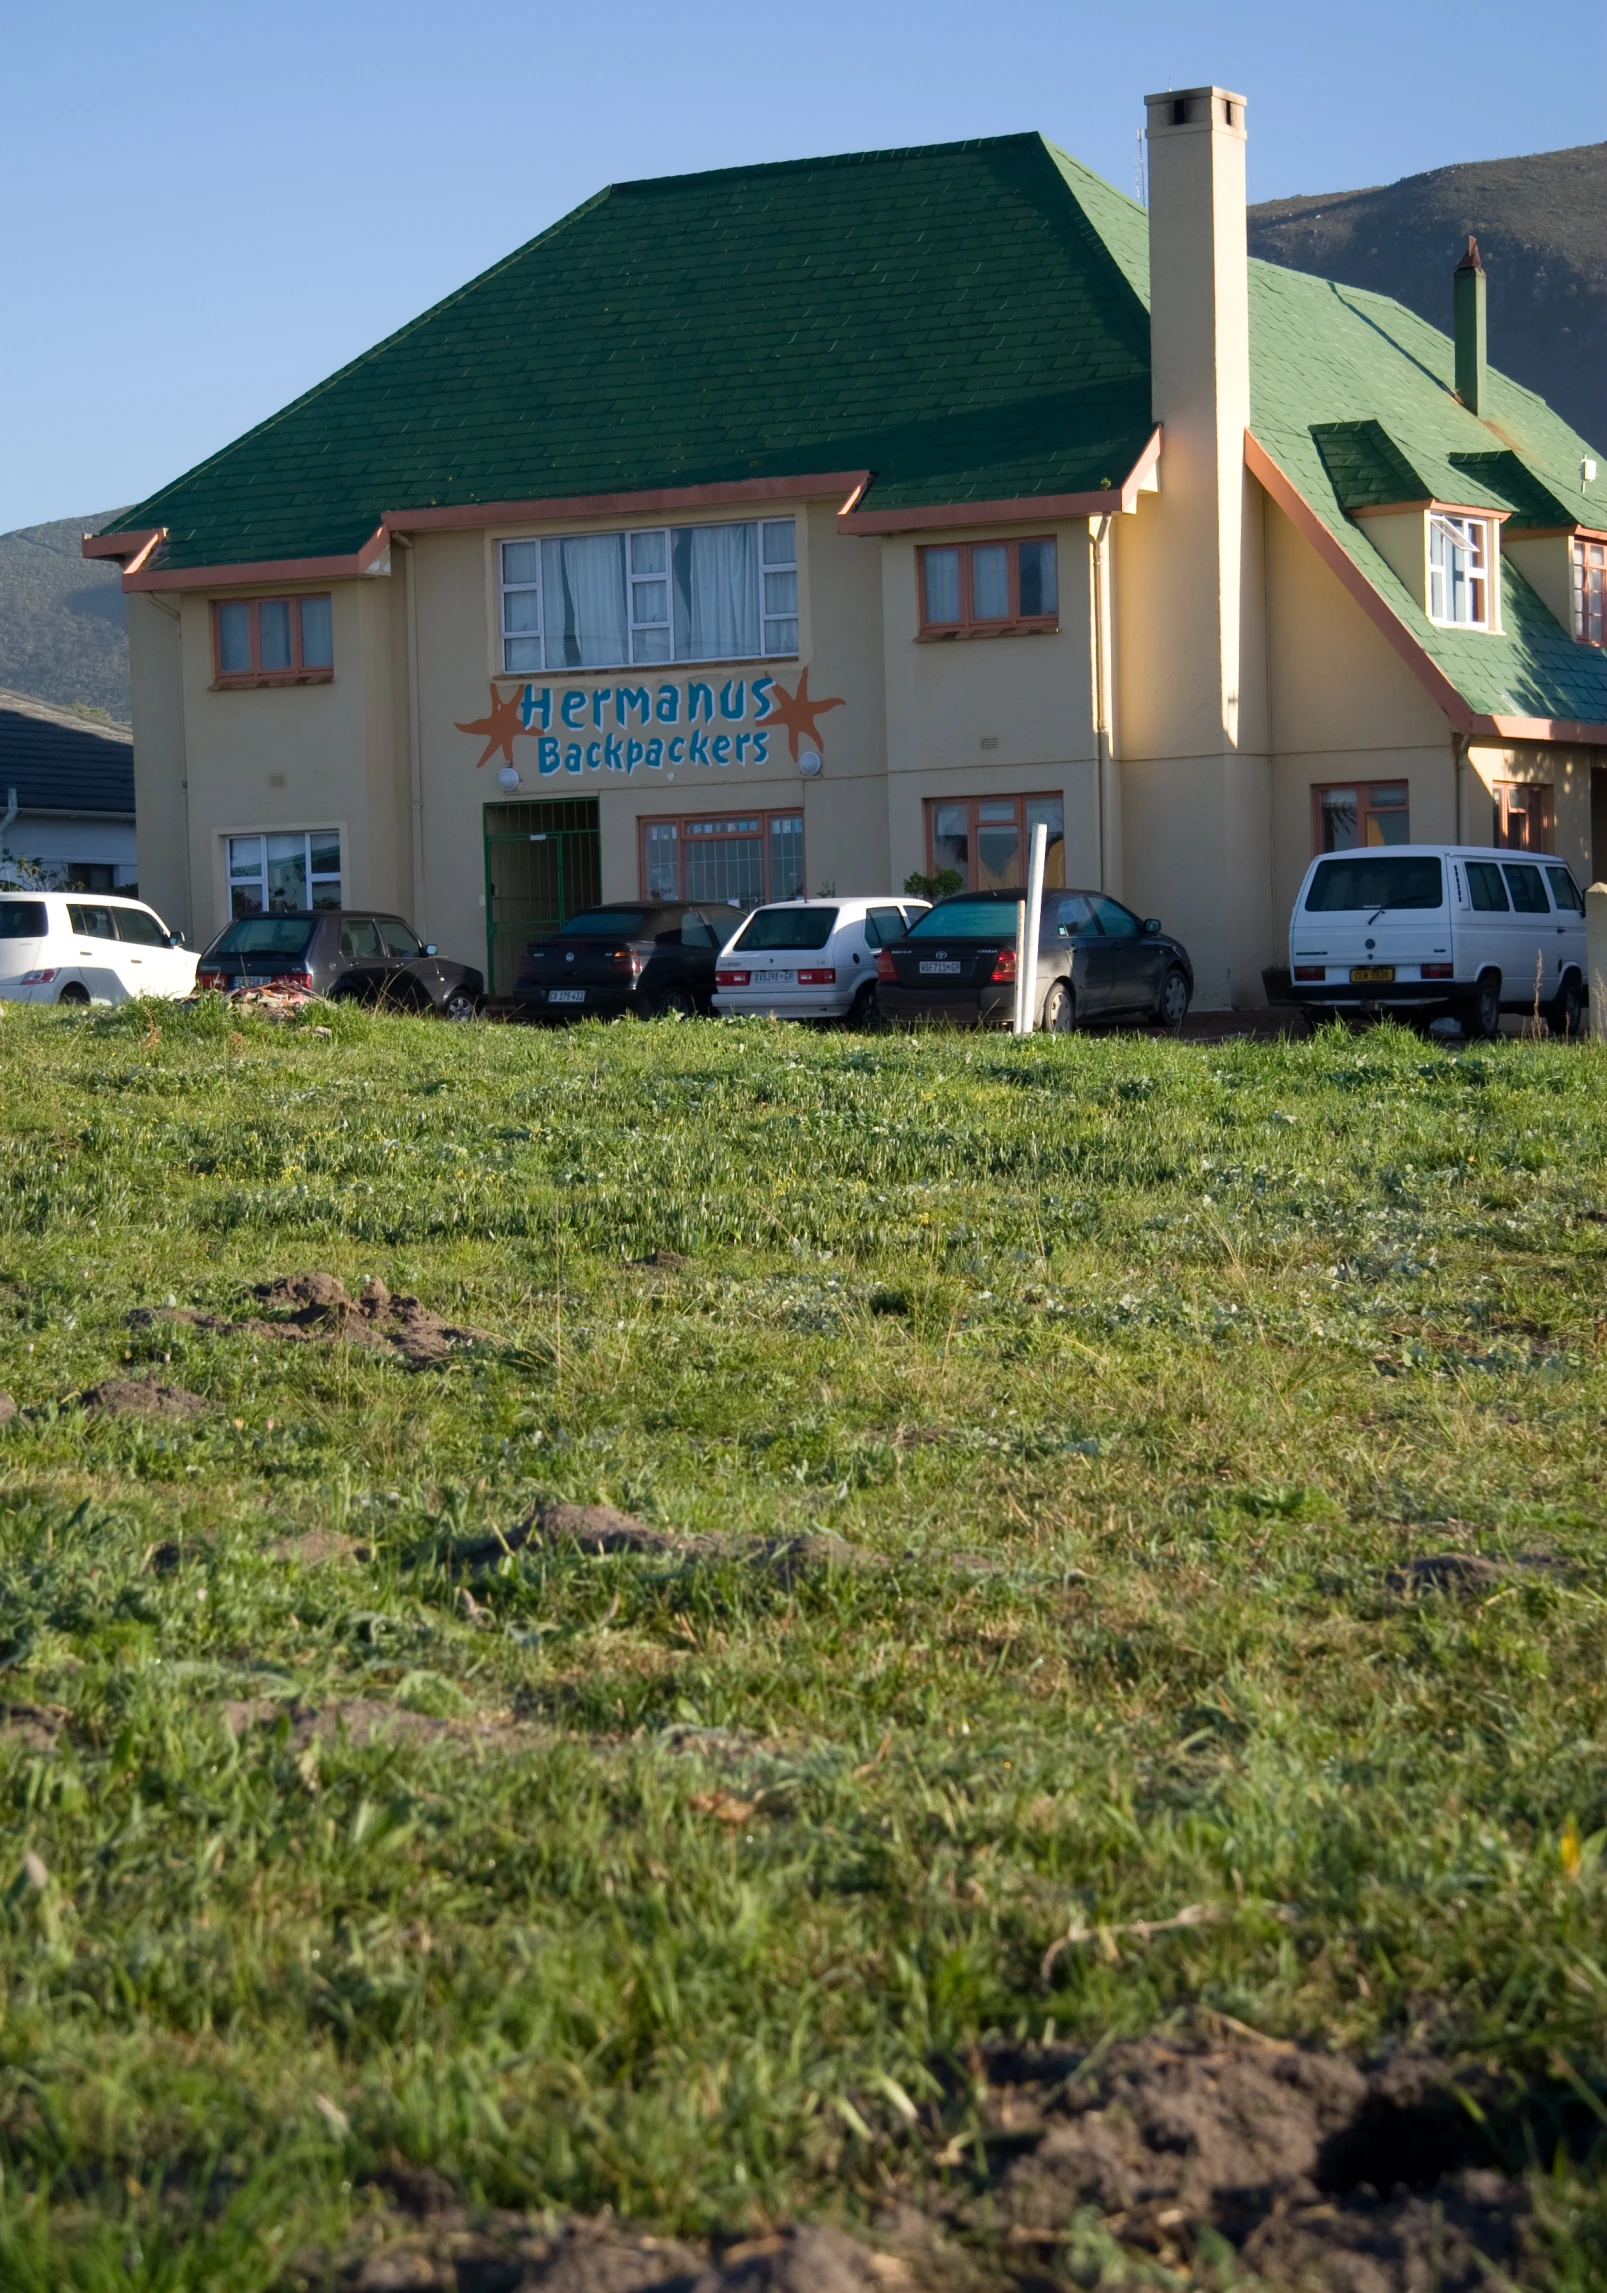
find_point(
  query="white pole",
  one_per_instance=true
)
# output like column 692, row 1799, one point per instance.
column 1031, row 918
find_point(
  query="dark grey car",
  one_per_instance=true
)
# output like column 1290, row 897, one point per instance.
column 1096, row 961
column 651, row 957
column 350, row 955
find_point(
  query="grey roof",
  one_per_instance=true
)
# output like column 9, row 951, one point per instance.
column 58, row 762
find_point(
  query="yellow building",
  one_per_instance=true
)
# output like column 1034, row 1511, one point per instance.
column 807, row 526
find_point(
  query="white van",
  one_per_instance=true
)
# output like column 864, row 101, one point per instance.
column 78, row 947
column 1430, row 929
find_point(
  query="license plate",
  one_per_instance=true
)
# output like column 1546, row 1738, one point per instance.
column 566, row 995
column 1371, row 974
column 939, row 970
column 774, row 979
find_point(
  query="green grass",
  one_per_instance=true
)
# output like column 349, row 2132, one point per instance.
column 1191, row 1343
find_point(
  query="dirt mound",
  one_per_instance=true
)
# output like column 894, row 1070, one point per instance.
column 361, row 1720
column 599, row 1529
column 33, row 1727
column 1368, row 2180
column 319, row 1545
column 1467, row 1574
column 451, row 2249
column 318, row 1307
column 8, row 1409
column 142, row 1397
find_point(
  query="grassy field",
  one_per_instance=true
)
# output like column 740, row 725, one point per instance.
column 1109, row 1389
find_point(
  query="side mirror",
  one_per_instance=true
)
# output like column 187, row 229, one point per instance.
column 429, row 947
column 1152, row 923
column 175, row 939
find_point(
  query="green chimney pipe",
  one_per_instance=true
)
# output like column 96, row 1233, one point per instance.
column 1468, row 287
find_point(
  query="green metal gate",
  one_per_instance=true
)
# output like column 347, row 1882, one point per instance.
column 543, row 862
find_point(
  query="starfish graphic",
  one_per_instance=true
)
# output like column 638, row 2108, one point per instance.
column 501, row 728
column 796, row 711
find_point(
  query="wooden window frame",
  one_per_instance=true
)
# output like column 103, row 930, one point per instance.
column 764, row 814
column 973, row 829
column 1588, row 557
column 1503, row 791
column 1364, row 810
column 299, row 672
column 1016, row 623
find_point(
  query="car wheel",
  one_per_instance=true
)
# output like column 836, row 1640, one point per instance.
column 862, row 1012
column 461, row 1004
column 1172, row 1004
column 675, row 1003
column 1565, row 1011
column 1481, row 1014
column 1059, row 1009
column 73, row 993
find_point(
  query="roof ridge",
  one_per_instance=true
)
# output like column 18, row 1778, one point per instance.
column 758, row 167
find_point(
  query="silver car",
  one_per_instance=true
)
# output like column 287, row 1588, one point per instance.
column 811, row 959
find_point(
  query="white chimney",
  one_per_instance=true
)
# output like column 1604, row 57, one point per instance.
column 1195, row 773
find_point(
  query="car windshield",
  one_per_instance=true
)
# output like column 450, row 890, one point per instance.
column 23, row 919
column 967, row 919
column 266, row 935
column 1375, row 881
column 607, row 923
column 788, row 927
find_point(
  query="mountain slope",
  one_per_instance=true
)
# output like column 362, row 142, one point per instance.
column 1541, row 224
column 63, row 622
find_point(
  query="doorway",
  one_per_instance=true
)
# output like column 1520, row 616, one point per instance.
column 543, row 863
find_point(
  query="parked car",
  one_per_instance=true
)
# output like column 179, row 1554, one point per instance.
column 59, row 947
column 1427, row 930
column 810, row 959
column 1096, row 961
column 652, row 957
column 361, row 957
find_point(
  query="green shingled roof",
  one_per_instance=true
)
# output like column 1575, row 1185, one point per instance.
column 950, row 317
column 968, row 321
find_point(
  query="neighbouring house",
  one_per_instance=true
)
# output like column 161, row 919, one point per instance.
column 66, row 799
column 803, row 526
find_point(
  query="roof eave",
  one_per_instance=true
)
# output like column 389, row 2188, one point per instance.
column 1014, row 509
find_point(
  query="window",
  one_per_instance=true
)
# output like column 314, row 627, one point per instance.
column 1523, row 815
column 883, row 926
column 987, row 840
column 258, row 639
column 789, row 928
column 23, row 919
column 1527, row 889
column 273, row 875
column 1373, row 812
column 399, row 941
column 359, row 939
column 139, row 927
column 266, row 935
column 1340, row 887
column 1590, row 574
column 92, row 923
column 664, row 593
column 980, row 919
column 741, row 860
column 1486, row 892
column 1459, row 570
column 1566, row 896
column 986, row 588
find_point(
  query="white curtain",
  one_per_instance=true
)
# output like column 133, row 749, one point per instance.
column 583, row 596
column 716, row 592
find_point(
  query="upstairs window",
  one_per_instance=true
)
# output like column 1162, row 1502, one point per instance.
column 988, row 588
column 265, row 640
column 1590, row 574
column 1523, row 815
column 1458, row 570
column 661, row 594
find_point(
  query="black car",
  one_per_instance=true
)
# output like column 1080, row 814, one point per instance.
column 1096, row 961
column 346, row 955
column 651, row 957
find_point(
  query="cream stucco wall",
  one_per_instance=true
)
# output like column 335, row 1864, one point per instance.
column 156, row 675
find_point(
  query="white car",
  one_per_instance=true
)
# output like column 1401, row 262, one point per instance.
column 88, row 947
column 1430, row 929
column 810, row 959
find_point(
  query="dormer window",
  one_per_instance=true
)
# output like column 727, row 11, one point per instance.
column 1590, row 575
column 1458, row 570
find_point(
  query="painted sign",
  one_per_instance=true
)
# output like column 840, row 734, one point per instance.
column 620, row 728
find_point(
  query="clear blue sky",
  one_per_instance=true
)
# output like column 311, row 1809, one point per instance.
column 207, row 208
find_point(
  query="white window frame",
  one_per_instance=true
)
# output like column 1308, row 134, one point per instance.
column 640, row 628
column 1448, row 534
column 260, row 879
column 1589, row 568
column 778, row 632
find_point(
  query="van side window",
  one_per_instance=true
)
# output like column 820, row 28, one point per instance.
column 1528, row 892
column 1565, row 893
column 1485, row 887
